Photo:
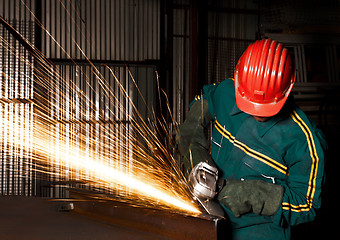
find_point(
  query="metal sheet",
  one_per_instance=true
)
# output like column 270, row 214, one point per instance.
column 105, row 29
column 32, row 218
column 16, row 85
column 37, row 218
column 152, row 221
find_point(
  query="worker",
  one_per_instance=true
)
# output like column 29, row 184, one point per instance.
column 269, row 152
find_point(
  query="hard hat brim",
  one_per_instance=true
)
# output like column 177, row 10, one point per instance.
column 259, row 109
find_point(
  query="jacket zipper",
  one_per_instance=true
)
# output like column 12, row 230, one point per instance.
column 263, row 175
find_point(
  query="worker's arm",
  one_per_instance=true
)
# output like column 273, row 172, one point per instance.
column 192, row 142
column 305, row 160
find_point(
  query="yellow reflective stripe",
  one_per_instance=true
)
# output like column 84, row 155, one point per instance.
column 314, row 168
column 250, row 152
column 197, row 97
column 296, row 208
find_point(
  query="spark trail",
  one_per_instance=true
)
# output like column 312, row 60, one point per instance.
column 64, row 134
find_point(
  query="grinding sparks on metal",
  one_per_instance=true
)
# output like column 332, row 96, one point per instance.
column 60, row 131
column 100, row 172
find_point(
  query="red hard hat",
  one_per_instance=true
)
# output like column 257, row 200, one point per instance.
column 264, row 77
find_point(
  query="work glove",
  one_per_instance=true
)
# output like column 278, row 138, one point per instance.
column 255, row 196
column 191, row 139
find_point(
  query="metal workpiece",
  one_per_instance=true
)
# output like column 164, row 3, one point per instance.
column 160, row 223
column 86, row 218
column 211, row 207
column 32, row 218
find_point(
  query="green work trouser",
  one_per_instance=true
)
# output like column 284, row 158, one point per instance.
column 265, row 231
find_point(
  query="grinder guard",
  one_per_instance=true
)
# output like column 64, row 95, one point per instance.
column 204, row 184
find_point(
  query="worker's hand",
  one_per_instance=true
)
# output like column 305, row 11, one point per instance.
column 255, row 196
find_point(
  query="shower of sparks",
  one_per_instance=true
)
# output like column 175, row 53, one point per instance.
column 99, row 171
column 60, row 131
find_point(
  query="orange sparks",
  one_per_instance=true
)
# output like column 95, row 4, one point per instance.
column 61, row 130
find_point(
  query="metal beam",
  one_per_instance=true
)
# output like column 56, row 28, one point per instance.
column 17, row 36
column 68, row 61
column 157, row 222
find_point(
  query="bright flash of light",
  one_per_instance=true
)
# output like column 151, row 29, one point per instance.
column 96, row 169
column 109, row 174
column 59, row 131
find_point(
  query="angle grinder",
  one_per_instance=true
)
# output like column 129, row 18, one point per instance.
column 204, row 184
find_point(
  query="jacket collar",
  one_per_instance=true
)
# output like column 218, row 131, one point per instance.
column 236, row 111
column 288, row 107
column 262, row 127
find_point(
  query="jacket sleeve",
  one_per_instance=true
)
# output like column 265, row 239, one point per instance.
column 191, row 139
column 305, row 159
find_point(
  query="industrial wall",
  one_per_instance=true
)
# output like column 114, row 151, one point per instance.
column 105, row 30
column 122, row 41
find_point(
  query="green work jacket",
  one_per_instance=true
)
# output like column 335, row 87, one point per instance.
column 287, row 150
